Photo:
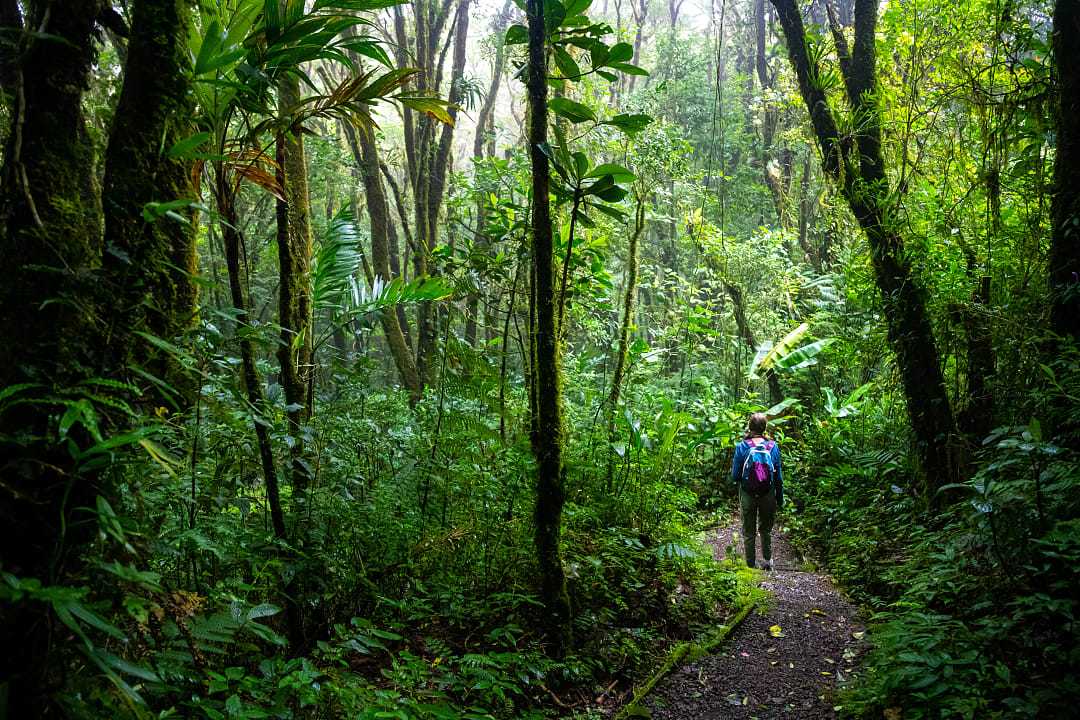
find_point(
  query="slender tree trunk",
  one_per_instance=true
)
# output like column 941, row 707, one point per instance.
column 380, row 259
column 487, row 110
column 738, row 303
column 294, row 243
column 629, row 301
column 151, row 265
column 548, row 438
column 253, row 388
column 397, row 268
column 483, row 128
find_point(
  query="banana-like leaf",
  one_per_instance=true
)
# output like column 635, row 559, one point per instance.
column 804, row 356
column 766, row 356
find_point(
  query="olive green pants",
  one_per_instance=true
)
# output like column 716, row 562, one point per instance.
column 757, row 518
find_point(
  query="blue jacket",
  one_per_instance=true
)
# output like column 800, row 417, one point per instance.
column 741, row 451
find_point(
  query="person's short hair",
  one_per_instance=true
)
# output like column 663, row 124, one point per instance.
column 758, row 422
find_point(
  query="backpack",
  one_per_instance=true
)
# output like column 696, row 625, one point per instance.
column 758, row 470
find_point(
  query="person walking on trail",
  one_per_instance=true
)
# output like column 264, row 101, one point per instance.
column 756, row 469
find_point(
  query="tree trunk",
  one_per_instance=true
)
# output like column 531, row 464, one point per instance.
column 1065, row 208
column 738, row 302
column 380, row 259
column 397, row 268
column 232, row 240
column 253, row 388
column 294, row 288
column 487, row 109
column 150, row 266
column 423, row 146
column 483, row 126
column 629, row 300
column 50, row 237
column 856, row 164
column 548, row 437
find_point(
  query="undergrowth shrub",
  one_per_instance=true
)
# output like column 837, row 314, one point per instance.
column 973, row 606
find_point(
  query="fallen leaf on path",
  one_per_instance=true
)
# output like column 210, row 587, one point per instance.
column 859, row 635
column 776, row 632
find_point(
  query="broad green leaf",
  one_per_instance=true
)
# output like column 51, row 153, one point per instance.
column 768, row 355
column 630, row 123
column 804, row 356
column 627, row 68
column 183, row 148
column 566, row 64
column 617, row 172
column 620, row 52
column 575, row 112
column 430, row 106
column 517, row 35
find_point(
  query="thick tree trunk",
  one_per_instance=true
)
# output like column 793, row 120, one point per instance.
column 548, row 435
column 150, row 266
column 858, row 166
column 294, row 243
column 50, row 204
column 50, row 238
column 1065, row 209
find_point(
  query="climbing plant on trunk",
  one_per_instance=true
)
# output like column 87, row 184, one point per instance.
column 547, row 438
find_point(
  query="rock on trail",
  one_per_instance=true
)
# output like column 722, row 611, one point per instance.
column 782, row 663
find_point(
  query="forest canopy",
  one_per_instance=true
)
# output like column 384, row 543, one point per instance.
column 385, row 359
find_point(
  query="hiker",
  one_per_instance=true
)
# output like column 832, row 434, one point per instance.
column 756, row 469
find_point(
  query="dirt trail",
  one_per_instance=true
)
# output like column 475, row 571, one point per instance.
column 783, row 663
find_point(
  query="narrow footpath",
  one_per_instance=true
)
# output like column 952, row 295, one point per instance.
column 784, row 662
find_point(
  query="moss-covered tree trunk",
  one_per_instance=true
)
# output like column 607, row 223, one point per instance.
column 294, row 289
column 50, row 239
column 1065, row 209
column 548, row 436
column 856, row 163
column 150, row 265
